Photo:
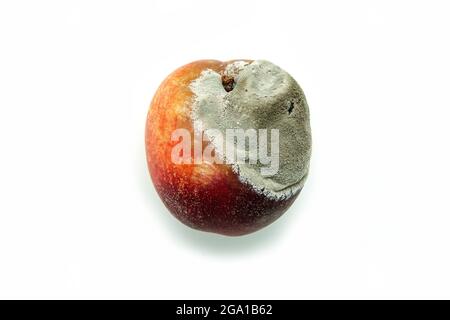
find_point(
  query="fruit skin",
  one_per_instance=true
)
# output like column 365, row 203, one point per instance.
column 207, row 197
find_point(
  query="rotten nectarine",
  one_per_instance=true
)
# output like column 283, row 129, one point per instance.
column 228, row 144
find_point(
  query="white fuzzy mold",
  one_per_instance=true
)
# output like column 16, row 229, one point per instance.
column 263, row 97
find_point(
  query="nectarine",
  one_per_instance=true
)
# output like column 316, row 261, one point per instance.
column 228, row 144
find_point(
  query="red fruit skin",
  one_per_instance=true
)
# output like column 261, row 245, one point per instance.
column 207, row 197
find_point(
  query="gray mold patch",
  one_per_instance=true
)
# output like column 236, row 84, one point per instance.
column 263, row 97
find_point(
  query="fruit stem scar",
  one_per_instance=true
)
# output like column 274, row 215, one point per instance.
column 227, row 82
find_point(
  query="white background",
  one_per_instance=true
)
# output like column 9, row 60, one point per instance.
column 79, row 217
